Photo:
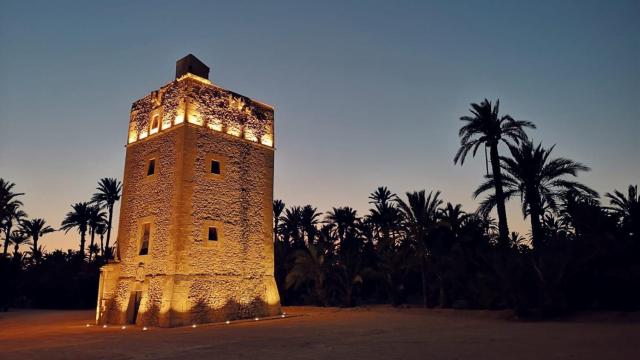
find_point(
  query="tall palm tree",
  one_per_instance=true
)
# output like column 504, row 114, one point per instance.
column 12, row 215
column 487, row 128
column 35, row 229
column 96, row 219
column 420, row 216
column 78, row 218
column 537, row 179
column 109, row 191
column 278, row 207
column 627, row 208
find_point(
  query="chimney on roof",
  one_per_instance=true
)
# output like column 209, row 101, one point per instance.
column 191, row 64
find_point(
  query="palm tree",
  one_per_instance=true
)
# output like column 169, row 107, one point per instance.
column 78, row 218
column 109, row 191
column 344, row 219
column 96, row 219
column 18, row 238
column 627, row 208
column 278, row 207
column 34, row 229
column 453, row 216
column 101, row 229
column 311, row 265
column 290, row 226
column 384, row 215
column 308, row 221
column 537, row 179
column 420, row 214
column 12, row 215
column 486, row 128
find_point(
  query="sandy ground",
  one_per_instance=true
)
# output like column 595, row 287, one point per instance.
column 311, row 333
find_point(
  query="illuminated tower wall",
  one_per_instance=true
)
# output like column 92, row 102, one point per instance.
column 195, row 231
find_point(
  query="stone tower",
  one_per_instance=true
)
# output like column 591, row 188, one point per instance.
column 195, row 231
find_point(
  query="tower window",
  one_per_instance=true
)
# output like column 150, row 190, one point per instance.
column 144, row 241
column 215, row 167
column 155, row 124
column 213, row 233
column 151, row 168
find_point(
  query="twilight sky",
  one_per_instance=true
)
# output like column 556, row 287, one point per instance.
column 367, row 93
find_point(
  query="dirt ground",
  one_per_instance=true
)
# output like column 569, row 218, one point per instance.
column 312, row 333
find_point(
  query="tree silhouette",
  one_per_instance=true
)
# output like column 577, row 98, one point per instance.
column 487, row 128
column 12, row 215
column 109, row 191
column 96, row 219
column 419, row 218
column 627, row 209
column 537, row 179
column 35, row 229
column 78, row 218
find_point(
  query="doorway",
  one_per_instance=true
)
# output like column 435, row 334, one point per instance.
column 134, row 306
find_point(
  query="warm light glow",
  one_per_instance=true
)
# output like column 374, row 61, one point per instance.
column 143, row 134
column 234, row 130
column 267, row 140
column 283, row 315
column 249, row 135
column 87, row 325
column 153, row 131
column 195, row 119
column 144, row 328
column 228, row 322
column 104, row 326
column 123, row 327
column 215, row 124
column 193, row 326
column 256, row 319
column 237, row 104
column 133, row 135
column 166, row 124
column 179, row 119
column 194, row 77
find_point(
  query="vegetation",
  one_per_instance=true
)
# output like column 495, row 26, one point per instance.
column 414, row 248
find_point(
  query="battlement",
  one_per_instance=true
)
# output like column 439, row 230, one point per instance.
column 196, row 100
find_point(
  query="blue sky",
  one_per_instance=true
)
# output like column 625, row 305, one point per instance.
column 367, row 93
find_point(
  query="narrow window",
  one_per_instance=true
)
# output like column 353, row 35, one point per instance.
column 213, row 234
column 215, row 167
column 155, row 123
column 144, row 242
column 151, row 169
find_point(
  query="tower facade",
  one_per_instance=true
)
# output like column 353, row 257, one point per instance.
column 195, row 240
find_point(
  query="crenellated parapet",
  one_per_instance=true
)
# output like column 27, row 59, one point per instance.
column 198, row 101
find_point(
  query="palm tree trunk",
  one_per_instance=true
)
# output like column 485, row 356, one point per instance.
column 93, row 236
column 7, row 231
column 82, row 241
column 110, row 206
column 102, row 244
column 36, row 252
column 535, row 212
column 503, row 228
